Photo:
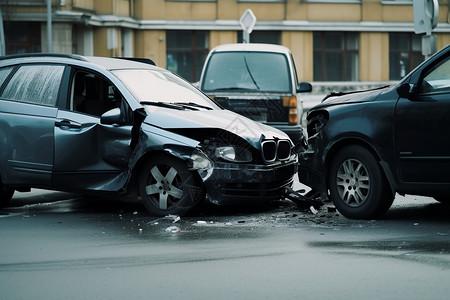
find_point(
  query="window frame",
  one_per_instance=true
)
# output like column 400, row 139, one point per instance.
column 344, row 52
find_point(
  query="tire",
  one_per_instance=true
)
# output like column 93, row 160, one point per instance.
column 357, row 184
column 166, row 186
column 6, row 195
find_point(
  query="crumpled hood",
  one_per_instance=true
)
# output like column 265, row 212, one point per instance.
column 353, row 97
column 253, row 132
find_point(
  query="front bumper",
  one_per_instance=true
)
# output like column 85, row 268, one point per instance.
column 231, row 184
column 311, row 171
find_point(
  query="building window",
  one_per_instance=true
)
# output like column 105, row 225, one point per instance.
column 186, row 53
column 336, row 56
column 405, row 53
column 267, row 37
column 22, row 37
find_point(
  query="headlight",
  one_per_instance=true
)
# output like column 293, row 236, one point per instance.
column 317, row 122
column 200, row 160
column 234, row 154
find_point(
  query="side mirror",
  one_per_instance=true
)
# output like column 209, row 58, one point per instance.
column 111, row 117
column 404, row 91
column 305, row 87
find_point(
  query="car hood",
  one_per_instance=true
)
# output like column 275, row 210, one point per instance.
column 352, row 97
column 184, row 121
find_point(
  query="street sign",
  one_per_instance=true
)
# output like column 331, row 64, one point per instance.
column 247, row 22
column 426, row 14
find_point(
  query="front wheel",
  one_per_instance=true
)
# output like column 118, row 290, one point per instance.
column 357, row 185
column 166, row 186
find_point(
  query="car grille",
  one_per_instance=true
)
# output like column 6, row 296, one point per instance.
column 276, row 150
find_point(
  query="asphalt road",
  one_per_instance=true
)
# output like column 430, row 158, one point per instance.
column 62, row 246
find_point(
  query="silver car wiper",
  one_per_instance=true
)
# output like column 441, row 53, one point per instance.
column 192, row 105
column 163, row 104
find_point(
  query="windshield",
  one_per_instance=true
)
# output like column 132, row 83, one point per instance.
column 159, row 86
column 251, row 71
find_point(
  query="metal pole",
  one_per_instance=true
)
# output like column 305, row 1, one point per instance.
column 49, row 26
column 2, row 35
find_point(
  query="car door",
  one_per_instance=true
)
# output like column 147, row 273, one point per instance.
column 423, row 126
column 90, row 155
column 27, row 117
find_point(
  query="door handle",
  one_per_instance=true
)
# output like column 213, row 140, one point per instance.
column 67, row 124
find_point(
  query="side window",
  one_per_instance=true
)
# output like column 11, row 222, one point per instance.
column 438, row 80
column 92, row 94
column 37, row 84
column 4, row 72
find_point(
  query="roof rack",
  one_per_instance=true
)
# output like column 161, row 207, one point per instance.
column 61, row 55
column 139, row 59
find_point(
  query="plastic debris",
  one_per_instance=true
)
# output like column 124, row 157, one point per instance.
column 201, row 222
column 135, row 213
column 173, row 218
column 173, row 229
column 167, row 218
column 331, row 209
column 313, row 210
column 140, row 231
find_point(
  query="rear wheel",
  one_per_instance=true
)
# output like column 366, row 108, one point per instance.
column 166, row 186
column 6, row 195
column 357, row 185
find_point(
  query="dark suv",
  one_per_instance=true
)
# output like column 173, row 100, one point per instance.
column 113, row 126
column 364, row 147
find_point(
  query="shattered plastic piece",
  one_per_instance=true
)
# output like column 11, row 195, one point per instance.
column 173, row 218
column 173, row 229
column 331, row 209
column 313, row 210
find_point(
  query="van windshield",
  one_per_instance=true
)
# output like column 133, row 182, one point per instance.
column 247, row 71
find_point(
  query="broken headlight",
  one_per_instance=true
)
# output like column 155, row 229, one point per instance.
column 200, row 160
column 234, row 154
column 316, row 123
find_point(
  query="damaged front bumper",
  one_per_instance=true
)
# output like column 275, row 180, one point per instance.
column 311, row 170
column 231, row 184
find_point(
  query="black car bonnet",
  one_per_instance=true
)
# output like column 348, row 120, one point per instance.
column 177, row 120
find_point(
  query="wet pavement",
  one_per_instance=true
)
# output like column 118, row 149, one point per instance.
column 59, row 245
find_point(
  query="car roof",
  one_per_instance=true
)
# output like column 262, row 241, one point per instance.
column 107, row 63
column 257, row 47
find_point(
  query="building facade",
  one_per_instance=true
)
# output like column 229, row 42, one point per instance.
column 331, row 40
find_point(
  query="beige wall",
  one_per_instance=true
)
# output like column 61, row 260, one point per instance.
column 374, row 57
column 151, row 44
column 217, row 38
column 301, row 46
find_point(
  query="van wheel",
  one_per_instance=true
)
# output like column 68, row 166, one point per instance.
column 357, row 185
column 166, row 186
column 6, row 195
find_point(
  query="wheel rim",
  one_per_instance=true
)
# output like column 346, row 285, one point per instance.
column 353, row 182
column 164, row 190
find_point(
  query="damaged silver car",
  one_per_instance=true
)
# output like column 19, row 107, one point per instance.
column 110, row 126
